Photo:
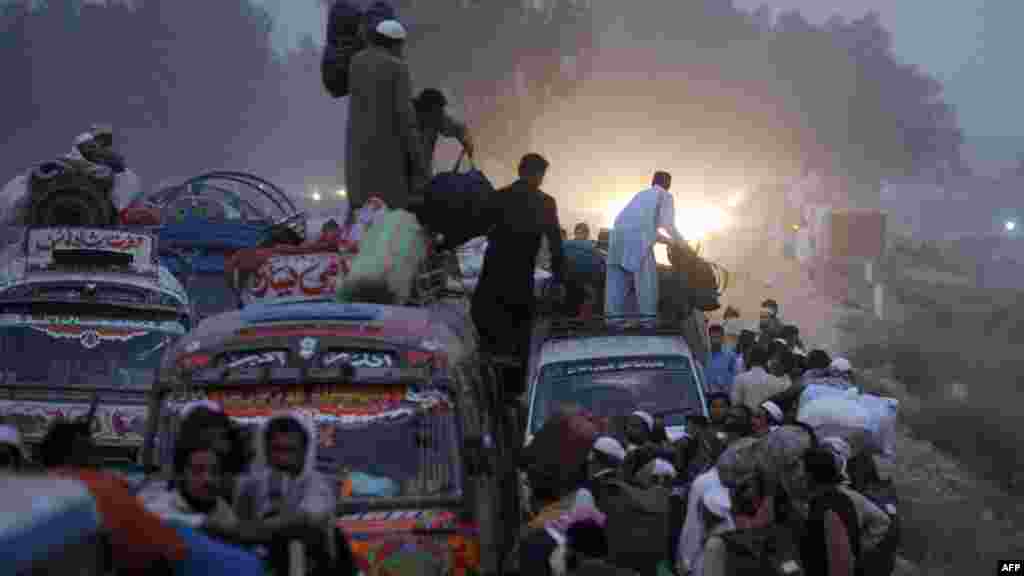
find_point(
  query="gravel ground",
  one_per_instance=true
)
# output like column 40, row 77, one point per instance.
column 954, row 522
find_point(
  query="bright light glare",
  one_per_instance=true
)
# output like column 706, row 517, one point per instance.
column 694, row 221
column 341, row 193
column 736, row 198
column 316, row 196
column 1011, row 225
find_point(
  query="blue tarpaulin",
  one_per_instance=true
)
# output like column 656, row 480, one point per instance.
column 198, row 245
column 208, row 557
column 192, row 233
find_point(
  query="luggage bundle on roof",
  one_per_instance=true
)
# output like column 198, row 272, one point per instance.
column 383, row 257
column 69, row 192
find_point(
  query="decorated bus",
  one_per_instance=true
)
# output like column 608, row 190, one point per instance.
column 85, row 311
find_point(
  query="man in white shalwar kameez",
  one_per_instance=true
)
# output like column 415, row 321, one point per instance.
column 631, row 285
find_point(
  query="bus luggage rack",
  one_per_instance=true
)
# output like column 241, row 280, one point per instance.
column 634, row 324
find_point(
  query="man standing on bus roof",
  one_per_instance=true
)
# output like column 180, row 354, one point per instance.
column 632, row 276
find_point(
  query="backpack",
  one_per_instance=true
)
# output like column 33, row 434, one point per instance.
column 769, row 551
column 637, row 526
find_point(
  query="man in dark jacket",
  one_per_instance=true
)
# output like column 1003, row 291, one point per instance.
column 504, row 304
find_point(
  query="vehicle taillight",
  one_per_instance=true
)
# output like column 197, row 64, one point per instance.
column 194, row 361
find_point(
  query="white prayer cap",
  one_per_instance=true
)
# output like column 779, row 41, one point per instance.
column 83, row 138
column 661, row 468
column 773, row 410
column 716, row 500
column 391, row 29
column 610, row 447
column 841, row 365
column 647, row 418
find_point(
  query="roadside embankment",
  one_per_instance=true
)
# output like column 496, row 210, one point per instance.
column 955, row 519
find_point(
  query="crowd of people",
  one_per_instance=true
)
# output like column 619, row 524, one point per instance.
column 749, row 474
column 223, row 511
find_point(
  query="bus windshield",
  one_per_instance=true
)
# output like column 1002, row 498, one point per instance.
column 611, row 387
column 82, row 351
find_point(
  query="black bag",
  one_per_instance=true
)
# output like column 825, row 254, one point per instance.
column 698, row 277
column 770, row 551
column 455, row 204
column 637, row 525
column 675, row 302
column 881, row 560
column 342, row 42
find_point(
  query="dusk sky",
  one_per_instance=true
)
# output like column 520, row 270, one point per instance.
column 972, row 46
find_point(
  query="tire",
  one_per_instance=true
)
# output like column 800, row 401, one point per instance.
column 68, row 193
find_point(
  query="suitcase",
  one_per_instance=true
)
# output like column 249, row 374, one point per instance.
column 391, row 253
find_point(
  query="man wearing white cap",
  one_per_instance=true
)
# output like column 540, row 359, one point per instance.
column 657, row 472
column 839, row 375
column 639, row 428
column 383, row 151
column 606, row 457
column 767, row 418
column 707, row 512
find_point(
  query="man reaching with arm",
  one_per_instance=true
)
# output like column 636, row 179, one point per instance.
column 433, row 121
column 631, row 265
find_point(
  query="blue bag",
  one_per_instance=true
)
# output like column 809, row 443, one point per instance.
column 344, row 39
column 455, row 205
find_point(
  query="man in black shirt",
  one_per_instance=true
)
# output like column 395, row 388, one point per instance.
column 504, row 303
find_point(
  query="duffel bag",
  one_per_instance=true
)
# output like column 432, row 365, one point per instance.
column 769, row 551
column 637, row 525
column 391, row 254
column 454, row 205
